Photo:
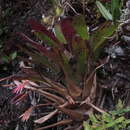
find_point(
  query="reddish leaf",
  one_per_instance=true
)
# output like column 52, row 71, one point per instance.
column 38, row 27
column 19, row 98
column 40, row 48
column 45, row 118
column 51, row 53
column 48, row 95
column 67, row 29
column 26, row 115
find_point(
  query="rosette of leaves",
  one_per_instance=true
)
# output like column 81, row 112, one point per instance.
column 64, row 68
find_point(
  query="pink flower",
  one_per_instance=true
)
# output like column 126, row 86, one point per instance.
column 20, row 86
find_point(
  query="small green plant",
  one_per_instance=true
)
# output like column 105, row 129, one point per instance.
column 62, row 69
column 110, row 10
column 114, row 119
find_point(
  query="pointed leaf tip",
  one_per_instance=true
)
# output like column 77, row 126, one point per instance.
column 80, row 27
column 45, row 118
column 106, row 14
column 38, row 27
column 67, row 29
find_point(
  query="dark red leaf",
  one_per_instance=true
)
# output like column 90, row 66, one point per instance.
column 34, row 44
column 19, row 98
column 67, row 29
column 38, row 27
column 43, row 50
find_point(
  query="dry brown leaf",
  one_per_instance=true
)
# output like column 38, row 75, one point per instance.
column 93, row 89
column 73, row 114
column 88, row 85
column 73, row 89
column 45, row 118
column 57, row 86
column 60, row 123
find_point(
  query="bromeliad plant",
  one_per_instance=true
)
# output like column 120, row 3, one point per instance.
column 62, row 69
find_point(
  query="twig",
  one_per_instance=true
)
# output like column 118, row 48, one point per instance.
column 72, row 8
column 96, row 108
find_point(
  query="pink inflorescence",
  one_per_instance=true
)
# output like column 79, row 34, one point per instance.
column 20, row 86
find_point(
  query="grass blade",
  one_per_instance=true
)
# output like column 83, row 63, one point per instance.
column 106, row 14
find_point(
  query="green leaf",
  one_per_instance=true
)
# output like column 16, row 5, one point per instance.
column 115, row 7
column 107, row 117
column 106, row 14
column 99, row 36
column 45, row 38
column 93, row 118
column 80, row 52
column 86, row 126
column 113, row 123
column 127, row 121
column 72, row 86
column 80, row 27
column 121, row 111
column 110, row 124
column 58, row 11
column 128, row 127
column 5, row 59
column 119, row 105
column 59, row 34
column 13, row 55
